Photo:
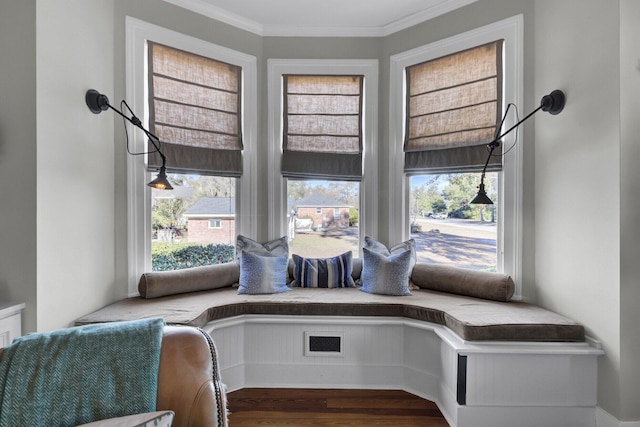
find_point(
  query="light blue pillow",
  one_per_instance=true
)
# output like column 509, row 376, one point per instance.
column 372, row 244
column 323, row 272
column 277, row 247
column 262, row 274
column 386, row 275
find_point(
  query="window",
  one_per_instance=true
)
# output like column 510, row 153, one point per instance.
column 453, row 110
column 446, row 228
column 199, row 213
column 323, row 217
column 434, row 185
column 322, row 137
column 172, row 108
column 322, row 160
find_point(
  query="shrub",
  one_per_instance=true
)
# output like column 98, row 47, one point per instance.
column 354, row 217
column 176, row 256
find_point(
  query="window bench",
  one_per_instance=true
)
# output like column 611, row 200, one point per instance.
column 484, row 362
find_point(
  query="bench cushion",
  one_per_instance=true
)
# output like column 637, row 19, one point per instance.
column 471, row 318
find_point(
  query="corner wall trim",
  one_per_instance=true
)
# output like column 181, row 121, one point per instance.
column 605, row 419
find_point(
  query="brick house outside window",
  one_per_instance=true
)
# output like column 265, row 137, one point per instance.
column 212, row 220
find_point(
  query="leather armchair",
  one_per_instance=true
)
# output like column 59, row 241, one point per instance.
column 188, row 381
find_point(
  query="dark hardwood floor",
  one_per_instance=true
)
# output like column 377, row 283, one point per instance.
column 324, row 408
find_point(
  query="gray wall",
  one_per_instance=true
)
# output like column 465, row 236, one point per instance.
column 580, row 257
column 577, row 158
column 75, row 162
column 629, row 208
column 18, row 155
column 56, row 165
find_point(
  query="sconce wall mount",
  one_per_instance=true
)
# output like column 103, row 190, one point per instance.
column 98, row 103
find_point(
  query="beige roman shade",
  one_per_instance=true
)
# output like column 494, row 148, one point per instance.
column 322, row 127
column 453, row 109
column 195, row 110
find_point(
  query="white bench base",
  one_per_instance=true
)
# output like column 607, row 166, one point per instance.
column 475, row 384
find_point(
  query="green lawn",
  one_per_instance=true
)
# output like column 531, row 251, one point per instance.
column 324, row 244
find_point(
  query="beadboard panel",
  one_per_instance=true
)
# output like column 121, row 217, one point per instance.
column 333, row 375
column 229, row 342
column 551, row 380
column 499, row 384
column 363, row 345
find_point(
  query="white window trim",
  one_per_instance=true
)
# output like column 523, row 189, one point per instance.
column 138, row 193
column 509, row 239
column 217, row 227
column 277, row 191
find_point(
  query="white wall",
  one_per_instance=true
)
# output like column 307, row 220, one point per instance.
column 75, row 161
column 577, row 175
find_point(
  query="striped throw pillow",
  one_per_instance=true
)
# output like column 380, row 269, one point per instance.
column 323, row 272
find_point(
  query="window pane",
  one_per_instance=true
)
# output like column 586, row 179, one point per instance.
column 322, row 218
column 193, row 224
column 447, row 229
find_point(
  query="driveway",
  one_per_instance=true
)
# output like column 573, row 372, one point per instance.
column 467, row 244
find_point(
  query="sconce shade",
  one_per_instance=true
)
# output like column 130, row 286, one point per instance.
column 481, row 198
column 161, row 182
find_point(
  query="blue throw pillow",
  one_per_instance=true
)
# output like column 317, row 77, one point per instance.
column 323, row 272
column 386, row 275
column 277, row 247
column 372, row 244
column 262, row 274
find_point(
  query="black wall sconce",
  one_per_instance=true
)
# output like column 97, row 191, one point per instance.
column 98, row 103
column 553, row 104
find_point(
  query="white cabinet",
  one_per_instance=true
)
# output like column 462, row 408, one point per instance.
column 10, row 322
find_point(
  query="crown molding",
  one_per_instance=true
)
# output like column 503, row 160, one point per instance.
column 205, row 8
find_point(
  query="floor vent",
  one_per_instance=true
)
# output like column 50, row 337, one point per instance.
column 323, row 343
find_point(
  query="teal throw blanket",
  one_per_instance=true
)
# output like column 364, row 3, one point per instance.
column 79, row 375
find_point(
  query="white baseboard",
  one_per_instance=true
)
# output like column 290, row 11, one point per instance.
column 605, row 419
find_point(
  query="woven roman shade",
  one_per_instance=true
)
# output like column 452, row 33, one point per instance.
column 322, row 127
column 195, row 110
column 453, row 109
